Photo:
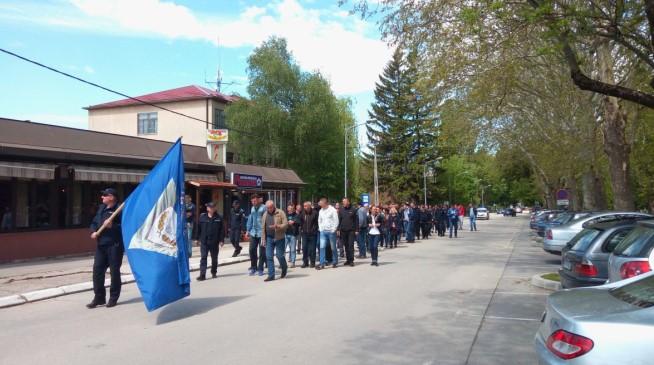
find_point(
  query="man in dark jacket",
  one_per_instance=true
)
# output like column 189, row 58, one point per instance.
column 348, row 223
column 211, row 234
column 108, row 252
column 425, row 222
column 236, row 226
column 309, row 230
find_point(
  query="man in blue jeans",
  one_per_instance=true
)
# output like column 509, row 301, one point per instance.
column 253, row 228
column 327, row 224
column 273, row 229
column 472, row 211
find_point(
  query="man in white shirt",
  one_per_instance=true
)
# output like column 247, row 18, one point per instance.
column 327, row 225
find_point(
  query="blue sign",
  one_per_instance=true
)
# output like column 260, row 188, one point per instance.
column 365, row 198
column 247, row 181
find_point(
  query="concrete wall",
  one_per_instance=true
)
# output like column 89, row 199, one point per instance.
column 38, row 244
column 123, row 120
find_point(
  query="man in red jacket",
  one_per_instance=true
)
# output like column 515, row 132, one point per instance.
column 462, row 213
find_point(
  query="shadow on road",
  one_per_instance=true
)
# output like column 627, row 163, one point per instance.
column 193, row 306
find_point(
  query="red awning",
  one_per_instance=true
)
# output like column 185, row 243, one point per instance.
column 212, row 184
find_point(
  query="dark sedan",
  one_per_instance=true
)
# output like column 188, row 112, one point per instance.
column 584, row 260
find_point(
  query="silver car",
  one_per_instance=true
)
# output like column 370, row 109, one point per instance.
column 605, row 325
column 557, row 237
column 631, row 257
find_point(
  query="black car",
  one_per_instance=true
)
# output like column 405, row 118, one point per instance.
column 585, row 259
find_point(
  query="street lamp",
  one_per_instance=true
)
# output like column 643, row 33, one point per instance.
column 424, row 177
column 482, row 193
column 347, row 130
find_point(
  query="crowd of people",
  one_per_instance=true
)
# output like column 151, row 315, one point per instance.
column 326, row 233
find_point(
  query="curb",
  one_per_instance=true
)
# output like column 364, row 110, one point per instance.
column 538, row 281
column 37, row 295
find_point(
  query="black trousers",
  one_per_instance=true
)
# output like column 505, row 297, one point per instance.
column 205, row 250
column 416, row 227
column 441, row 228
column 107, row 256
column 235, row 238
column 425, row 230
column 256, row 261
column 309, row 249
column 347, row 238
column 395, row 234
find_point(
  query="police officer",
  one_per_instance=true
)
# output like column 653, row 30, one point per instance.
column 211, row 234
column 236, row 226
column 109, row 250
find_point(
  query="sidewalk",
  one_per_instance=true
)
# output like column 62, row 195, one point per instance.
column 41, row 279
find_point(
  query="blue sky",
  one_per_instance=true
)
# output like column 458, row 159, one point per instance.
column 142, row 46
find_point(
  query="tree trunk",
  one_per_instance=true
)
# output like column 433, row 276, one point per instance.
column 593, row 194
column 615, row 142
column 571, row 184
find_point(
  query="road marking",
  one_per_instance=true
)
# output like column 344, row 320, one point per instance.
column 521, row 293
column 512, row 318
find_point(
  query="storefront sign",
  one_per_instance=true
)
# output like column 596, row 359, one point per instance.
column 217, row 153
column 247, row 181
column 217, row 135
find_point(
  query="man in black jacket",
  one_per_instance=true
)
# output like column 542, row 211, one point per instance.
column 109, row 251
column 211, row 234
column 236, row 226
column 309, row 229
column 348, row 223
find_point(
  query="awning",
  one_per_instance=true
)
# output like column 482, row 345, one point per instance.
column 196, row 176
column 27, row 170
column 109, row 174
column 212, row 184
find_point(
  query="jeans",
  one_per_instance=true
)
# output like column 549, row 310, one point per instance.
column 308, row 249
column 107, row 256
column 387, row 238
column 255, row 246
column 410, row 231
column 461, row 222
column 189, row 238
column 374, row 243
column 347, row 238
column 211, row 249
column 361, row 240
column 275, row 248
column 326, row 237
column 473, row 223
column 454, row 225
column 405, row 229
column 290, row 244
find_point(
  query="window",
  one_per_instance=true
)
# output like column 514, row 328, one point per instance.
column 639, row 293
column 147, row 123
column 616, row 239
column 635, row 242
column 583, row 239
column 219, row 119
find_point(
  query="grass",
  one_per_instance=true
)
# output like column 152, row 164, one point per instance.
column 551, row 276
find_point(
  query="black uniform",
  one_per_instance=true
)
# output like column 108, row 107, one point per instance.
column 425, row 222
column 211, row 232
column 441, row 216
column 348, row 223
column 309, row 230
column 108, row 254
column 236, row 226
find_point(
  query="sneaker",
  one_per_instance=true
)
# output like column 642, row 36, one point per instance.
column 320, row 267
column 260, row 273
column 95, row 302
column 251, row 272
column 112, row 302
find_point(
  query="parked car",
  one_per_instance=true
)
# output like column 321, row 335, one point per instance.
column 632, row 256
column 585, row 259
column 542, row 215
column 482, row 213
column 557, row 237
column 605, row 325
column 518, row 210
column 509, row 212
column 559, row 218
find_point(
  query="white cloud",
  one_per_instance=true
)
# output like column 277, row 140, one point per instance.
column 89, row 70
column 325, row 40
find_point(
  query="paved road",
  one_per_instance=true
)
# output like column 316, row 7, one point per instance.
column 439, row 301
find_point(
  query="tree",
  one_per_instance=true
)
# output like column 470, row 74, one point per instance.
column 292, row 119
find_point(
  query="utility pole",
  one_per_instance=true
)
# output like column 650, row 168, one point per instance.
column 424, row 181
column 376, row 181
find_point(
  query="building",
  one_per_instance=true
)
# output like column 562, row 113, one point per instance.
column 51, row 178
column 131, row 117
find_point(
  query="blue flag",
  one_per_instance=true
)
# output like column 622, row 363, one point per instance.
column 153, row 232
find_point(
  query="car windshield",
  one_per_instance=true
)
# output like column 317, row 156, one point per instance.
column 636, row 242
column 481, row 210
column 639, row 293
column 583, row 239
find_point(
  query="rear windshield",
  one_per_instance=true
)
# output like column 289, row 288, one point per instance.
column 563, row 218
column 639, row 293
column 637, row 243
column 483, row 210
column 583, row 239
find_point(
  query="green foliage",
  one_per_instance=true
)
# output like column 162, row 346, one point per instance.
column 292, row 120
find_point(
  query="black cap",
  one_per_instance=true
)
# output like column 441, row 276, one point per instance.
column 109, row 191
column 210, row 205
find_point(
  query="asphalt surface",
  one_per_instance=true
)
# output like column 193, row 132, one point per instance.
column 439, row 301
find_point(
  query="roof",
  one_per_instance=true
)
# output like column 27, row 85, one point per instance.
column 45, row 142
column 269, row 174
column 190, row 92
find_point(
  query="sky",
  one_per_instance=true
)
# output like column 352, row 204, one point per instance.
column 143, row 46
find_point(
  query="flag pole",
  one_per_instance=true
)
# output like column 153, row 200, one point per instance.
column 110, row 219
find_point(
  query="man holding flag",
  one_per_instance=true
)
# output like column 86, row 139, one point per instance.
column 109, row 251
